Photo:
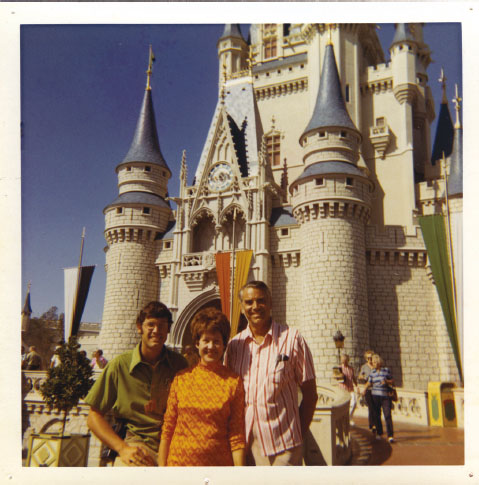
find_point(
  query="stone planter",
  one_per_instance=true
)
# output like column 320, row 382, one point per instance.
column 47, row 449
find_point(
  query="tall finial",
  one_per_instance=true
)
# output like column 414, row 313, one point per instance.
column 223, row 84
column 442, row 80
column 330, row 35
column 151, row 60
column 184, row 170
column 29, row 285
column 284, row 176
column 457, row 100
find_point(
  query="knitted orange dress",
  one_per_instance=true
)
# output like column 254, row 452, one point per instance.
column 204, row 418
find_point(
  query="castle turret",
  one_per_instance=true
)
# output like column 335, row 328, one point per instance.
column 133, row 223
column 331, row 202
column 232, row 52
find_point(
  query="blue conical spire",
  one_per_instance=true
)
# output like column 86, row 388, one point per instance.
column 232, row 30
column 330, row 109
column 403, row 34
column 27, row 309
column 444, row 135
column 145, row 146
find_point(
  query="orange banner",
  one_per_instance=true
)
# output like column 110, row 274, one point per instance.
column 223, row 273
column 243, row 261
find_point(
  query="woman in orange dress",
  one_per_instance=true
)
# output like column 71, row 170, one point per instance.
column 204, row 420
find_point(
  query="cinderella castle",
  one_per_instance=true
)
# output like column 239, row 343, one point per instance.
column 319, row 160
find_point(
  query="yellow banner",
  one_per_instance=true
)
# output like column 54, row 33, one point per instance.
column 243, row 261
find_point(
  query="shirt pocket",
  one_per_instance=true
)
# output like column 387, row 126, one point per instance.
column 281, row 372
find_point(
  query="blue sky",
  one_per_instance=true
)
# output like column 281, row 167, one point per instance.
column 81, row 90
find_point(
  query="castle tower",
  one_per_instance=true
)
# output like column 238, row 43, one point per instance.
column 232, row 52
column 331, row 202
column 134, row 221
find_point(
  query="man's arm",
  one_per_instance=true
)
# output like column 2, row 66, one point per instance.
column 308, row 404
column 130, row 455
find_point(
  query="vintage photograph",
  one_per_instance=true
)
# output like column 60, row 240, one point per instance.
column 242, row 244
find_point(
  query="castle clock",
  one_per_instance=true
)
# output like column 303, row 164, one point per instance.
column 220, row 177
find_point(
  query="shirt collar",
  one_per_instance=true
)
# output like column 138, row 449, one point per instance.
column 272, row 332
column 136, row 357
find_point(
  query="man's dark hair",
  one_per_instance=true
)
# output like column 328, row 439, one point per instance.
column 259, row 285
column 154, row 309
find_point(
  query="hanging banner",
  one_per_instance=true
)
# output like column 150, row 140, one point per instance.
column 243, row 261
column 223, row 273
column 457, row 234
column 77, row 285
column 434, row 234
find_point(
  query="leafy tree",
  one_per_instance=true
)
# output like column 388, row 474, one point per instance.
column 44, row 332
column 69, row 381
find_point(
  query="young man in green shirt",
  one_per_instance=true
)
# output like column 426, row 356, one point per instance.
column 134, row 386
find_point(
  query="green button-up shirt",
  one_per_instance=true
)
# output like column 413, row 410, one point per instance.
column 127, row 383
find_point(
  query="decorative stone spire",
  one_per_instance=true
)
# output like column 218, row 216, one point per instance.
column 443, row 80
column 145, row 146
column 284, row 176
column 330, row 109
column 455, row 186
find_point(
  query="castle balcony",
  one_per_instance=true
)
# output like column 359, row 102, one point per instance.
column 195, row 268
column 380, row 136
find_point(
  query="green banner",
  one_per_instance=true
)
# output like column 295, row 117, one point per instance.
column 435, row 238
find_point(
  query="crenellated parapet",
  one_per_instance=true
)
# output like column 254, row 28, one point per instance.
column 281, row 89
column 331, row 209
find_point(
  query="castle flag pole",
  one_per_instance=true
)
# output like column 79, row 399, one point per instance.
column 233, row 272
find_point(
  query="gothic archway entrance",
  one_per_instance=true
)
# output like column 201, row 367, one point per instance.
column 187, row 340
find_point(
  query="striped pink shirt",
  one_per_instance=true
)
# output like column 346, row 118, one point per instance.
column 272, row 372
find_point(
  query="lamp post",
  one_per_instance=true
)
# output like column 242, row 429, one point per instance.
column 339, row 343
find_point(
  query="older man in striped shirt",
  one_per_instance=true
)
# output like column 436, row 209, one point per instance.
column 274, row 361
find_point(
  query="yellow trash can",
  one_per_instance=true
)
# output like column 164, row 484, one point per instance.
column 442, row 411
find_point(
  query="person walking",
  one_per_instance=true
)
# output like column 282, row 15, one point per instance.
column 363, row 377
column 380, row 380
column 204, row 419
column 33, row 361
column 349, row 384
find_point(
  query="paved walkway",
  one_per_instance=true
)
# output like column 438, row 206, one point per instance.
column 414, row 445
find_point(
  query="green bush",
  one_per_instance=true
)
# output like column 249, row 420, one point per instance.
column 69, row 381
